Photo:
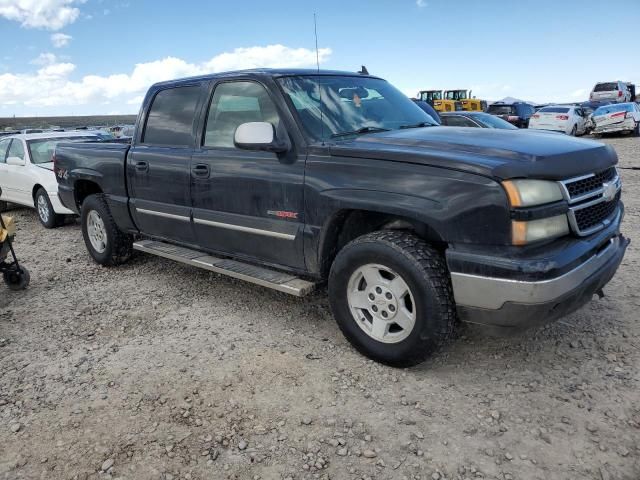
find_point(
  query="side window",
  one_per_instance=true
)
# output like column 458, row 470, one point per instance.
column 459, row 121
column 16, row 149
column 171, row 117
column 233, row 104
column 4, row 145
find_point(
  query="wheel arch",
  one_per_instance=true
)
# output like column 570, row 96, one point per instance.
column 35, row 189
column 82, row 188
column 347, row 224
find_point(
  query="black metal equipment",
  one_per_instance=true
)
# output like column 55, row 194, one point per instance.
column 15, row 275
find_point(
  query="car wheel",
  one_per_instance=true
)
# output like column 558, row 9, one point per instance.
column 636, row 131
column 574, row 131
column 391, row 295
column 47, row 216
column 106, row 243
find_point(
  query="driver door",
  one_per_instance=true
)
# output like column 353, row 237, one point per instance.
column 247, row 203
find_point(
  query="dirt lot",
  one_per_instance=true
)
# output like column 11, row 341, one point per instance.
column 155, row 370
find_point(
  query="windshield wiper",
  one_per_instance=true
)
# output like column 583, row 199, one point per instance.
column 361, row 131
column 418, row 125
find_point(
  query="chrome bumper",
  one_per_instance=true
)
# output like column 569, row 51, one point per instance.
column 493, row 293
column 502, row 302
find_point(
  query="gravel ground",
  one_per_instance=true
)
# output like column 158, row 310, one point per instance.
column 155, row 370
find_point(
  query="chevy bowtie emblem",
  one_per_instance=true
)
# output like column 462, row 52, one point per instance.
column 609, row 191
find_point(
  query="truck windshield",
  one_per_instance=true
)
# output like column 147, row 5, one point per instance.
column 343, row 106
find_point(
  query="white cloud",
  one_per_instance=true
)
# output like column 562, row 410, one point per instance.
column 51, row 85
column 421, row 3
column 48, row 14
column 580, row 93
column 44, row 59
column 60, row 40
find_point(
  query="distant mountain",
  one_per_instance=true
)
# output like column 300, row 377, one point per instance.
column 513, row 100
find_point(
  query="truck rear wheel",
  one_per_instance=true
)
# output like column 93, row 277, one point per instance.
column 391, row 295
column 106, row 243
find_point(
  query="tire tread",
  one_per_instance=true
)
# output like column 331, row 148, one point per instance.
column 434, row 271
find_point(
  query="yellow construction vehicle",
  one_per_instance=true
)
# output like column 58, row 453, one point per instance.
column 465, row 101
column 434, row 98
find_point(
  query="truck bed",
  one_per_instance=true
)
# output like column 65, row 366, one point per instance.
column 102, row 163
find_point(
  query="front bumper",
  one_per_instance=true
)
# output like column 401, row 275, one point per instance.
column 533, row 291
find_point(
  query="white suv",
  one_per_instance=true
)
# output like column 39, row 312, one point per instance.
column 618, row 92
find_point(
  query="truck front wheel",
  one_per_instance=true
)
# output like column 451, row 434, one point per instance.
column 391, row 295
column 106, row 243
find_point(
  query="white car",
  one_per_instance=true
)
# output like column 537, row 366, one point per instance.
column 560, row 118
column 617, row 117
column 26, row 173
column 618, row 91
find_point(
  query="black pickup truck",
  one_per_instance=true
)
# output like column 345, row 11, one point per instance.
column 290, row 178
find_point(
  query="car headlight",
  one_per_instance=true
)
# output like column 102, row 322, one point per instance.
column 523, row 233
column 529, row 193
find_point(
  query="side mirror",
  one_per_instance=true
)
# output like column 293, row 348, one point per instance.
column 16, row 161
column 258, row 136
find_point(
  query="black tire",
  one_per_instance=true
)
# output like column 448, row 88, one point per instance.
column 636, row 131
column 118, row 246
column 17, row 280
column 48, row 218
column 4, row 206
column 425, row 273
column 574, row 131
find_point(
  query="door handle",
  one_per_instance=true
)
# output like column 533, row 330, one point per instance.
column 200, row 170
column 142, row 166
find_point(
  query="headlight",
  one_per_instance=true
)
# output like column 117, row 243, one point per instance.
column 528, row 193
column 541, row 229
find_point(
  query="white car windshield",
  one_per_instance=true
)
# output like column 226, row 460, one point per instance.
column 41, row 149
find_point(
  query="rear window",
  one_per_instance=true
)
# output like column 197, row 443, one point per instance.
column 605, row 87
column 620, row 107
column 502, row 109
column 171, row 117
column 554, row 110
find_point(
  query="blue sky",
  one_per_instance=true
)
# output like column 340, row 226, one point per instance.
column 80, row 57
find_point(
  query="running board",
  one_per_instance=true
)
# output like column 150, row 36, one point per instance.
column 283, row 282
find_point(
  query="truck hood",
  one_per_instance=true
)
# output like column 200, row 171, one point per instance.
column 500, row 154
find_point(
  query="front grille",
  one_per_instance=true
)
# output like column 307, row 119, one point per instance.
column 590, row 184
column 592, row 216
column 593, row 200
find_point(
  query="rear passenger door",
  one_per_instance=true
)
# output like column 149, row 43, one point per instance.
column 247, row 203
column 159, row 164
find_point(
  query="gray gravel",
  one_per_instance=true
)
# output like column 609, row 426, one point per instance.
column 154, row 370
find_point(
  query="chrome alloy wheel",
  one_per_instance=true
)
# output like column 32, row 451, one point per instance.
column 43, row 209
column 381, row 303
column 96, row 231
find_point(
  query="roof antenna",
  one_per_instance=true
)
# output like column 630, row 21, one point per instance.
column 315, row 32
column 363, row 71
